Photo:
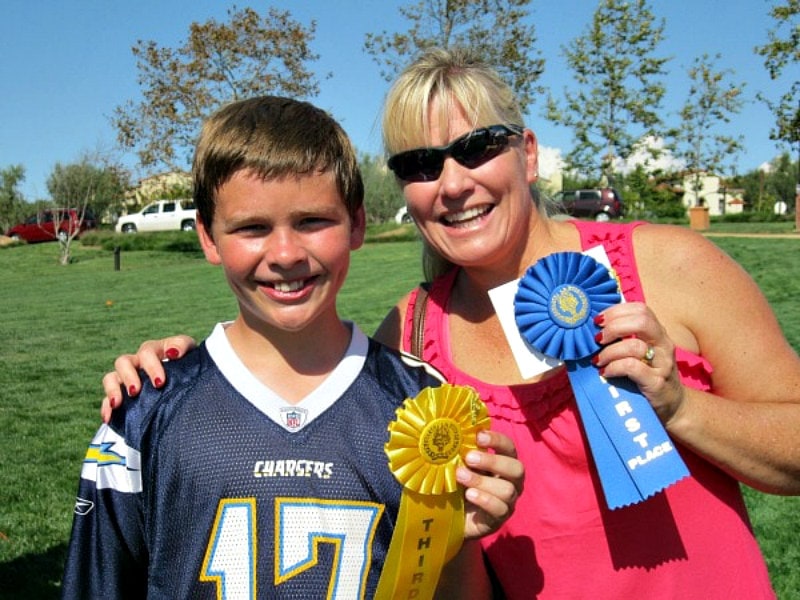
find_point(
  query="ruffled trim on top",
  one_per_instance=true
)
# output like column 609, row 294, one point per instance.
column 617, row 239
column 522, row 403
column 695, row 371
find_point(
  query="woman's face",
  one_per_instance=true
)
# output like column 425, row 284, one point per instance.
column 477, row 217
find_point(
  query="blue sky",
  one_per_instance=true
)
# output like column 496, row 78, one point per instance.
column 66, row 64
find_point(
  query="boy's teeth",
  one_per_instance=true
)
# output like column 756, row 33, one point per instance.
column 288, row 286
column 464, row 215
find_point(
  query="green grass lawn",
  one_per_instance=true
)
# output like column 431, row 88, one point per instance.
column 61, row 328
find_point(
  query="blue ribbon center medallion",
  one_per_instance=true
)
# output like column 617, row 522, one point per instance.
column 569, row 306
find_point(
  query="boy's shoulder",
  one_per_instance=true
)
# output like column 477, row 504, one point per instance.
column 181, row 377
column 395, row 368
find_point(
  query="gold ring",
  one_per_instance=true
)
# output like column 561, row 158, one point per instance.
column 649, row 355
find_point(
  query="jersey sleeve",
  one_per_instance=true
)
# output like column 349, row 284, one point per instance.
column 106, row 557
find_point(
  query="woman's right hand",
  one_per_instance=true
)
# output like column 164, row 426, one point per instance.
column 149, row 358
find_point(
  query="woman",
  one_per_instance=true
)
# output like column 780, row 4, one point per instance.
column 695, row 335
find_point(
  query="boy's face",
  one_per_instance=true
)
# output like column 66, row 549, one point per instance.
column 285, row 247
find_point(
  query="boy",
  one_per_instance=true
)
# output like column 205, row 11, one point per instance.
column 258, row 469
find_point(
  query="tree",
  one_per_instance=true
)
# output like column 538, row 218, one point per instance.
column 711, row 101
column 100, row 187
column 779, row 53
column 617, row 91
column 382, row 195
column 780, row 182
column 769, row 184
column 86, row 187
column 12, row 204
column 494, row 30
column 219, row 63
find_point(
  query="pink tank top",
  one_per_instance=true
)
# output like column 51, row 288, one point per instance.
column 694, row 540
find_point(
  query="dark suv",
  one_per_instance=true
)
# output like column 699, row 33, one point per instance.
column 598, row 204
column 55, row 224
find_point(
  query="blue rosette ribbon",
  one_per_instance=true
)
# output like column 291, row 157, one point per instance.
column 555, row 305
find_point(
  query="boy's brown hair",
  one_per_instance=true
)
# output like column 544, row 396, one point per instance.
column 273, row 137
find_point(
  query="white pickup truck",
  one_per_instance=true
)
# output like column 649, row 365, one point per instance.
column 161, row 215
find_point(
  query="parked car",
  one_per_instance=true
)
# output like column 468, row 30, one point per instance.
column 54, row 224
column 161, row 215
column 402, row 216
column 599, row 204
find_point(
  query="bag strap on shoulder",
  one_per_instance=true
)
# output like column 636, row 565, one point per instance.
column 418, row 320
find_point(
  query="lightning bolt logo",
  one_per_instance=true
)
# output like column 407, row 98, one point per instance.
column 102, row 455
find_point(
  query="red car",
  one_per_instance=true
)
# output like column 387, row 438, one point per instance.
column 598, row 204
column 55, row 224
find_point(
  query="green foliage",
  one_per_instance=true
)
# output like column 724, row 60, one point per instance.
column 711, row 101
column 764, row 187
column 615, row 98
column 86, row 184
column 383, row 196
column 249, row 55
column 648, row 197
column 12, row 205
column 156, row 241
column 781, row 52
column 499, row 31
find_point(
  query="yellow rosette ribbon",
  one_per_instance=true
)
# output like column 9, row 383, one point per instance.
column 427, row 442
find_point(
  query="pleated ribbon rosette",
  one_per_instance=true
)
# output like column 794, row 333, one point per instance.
column 555, row 305
column 427, row 442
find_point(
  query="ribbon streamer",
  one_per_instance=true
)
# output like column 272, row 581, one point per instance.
column 427, row 442
column 555, row 305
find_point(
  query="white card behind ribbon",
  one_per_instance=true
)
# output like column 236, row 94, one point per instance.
column 529, row 361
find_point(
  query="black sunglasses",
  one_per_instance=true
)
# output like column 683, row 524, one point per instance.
column 470, row 150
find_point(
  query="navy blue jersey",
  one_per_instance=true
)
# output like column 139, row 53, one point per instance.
column 214, row 487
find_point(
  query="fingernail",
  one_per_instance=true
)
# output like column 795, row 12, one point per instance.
column 463, row 475
column 484, row 439
column 132, row 390
column 599, row 337
column 112, row 401
column 599, row 319
column 157, row 382
column 595, row 359
column 172, row 353
column 602, row 371
column 473, row 458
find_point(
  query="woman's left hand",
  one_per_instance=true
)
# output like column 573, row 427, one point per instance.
column 494, row 481
column 636, row 346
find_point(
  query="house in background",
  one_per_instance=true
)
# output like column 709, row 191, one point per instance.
column 175, row 184
column 710, row 191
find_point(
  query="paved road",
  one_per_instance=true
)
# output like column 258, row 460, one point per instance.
column 785, row 236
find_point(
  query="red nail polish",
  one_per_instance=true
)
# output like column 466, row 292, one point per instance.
column 172, row 353
column 112, row 401
column 599, row 319
column 595, row 359
column 157, row 382
column 602, row 371
column 599, row 337
column 132, row 390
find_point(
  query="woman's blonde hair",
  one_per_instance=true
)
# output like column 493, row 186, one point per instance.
column 458, row 80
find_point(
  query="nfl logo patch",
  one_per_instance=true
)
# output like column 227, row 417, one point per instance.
column 293, row 418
